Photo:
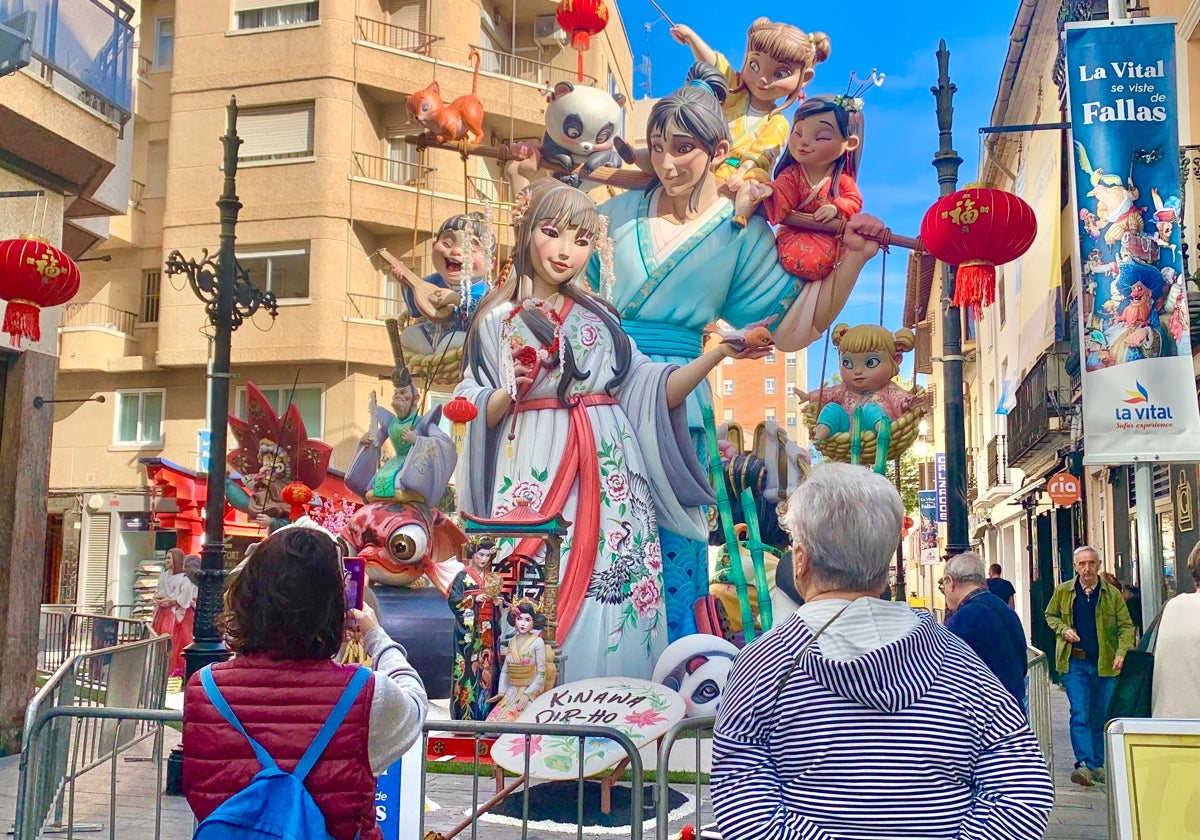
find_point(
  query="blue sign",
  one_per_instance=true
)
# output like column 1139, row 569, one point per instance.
column 203, row 449
column 939, row 472
column 398, row 802
column 387, row 801
column 928, row 503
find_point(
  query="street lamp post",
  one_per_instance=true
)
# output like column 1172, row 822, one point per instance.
column 947, row 163
column 229, row 298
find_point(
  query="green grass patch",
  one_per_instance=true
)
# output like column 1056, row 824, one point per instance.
column 466, row 768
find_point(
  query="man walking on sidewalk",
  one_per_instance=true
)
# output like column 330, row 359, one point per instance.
column 1094, row 633
column 1000, row 587
column 985, row 622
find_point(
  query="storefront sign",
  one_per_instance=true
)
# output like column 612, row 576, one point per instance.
column 1064, row 489
column 1139, row 398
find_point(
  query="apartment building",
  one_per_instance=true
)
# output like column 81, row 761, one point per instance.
column 750, row 391
column 65, row 103
column 327, row 176
column 1022, row 375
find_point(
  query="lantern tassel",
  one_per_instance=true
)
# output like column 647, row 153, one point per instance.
column 975, row 286
column 579, row 68
column 21, row 320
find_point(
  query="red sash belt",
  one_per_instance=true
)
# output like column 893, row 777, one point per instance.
column 579, row 460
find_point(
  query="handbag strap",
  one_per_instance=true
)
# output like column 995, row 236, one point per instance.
column 1146, row 644
column 804, row 649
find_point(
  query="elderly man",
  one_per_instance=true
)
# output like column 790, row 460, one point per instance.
column 1094, row 633
column 985, row 622
column 859, row 718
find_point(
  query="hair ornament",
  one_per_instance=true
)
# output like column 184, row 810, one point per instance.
column 700, row 83
column 521, row 207
column 852, row 99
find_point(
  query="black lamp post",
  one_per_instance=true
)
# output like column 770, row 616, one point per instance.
column 229, row 298
column 947, row 162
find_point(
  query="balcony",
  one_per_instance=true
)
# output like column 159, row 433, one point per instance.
column 374, row 308
column 93, row 335
column 1039, row 423
column 997, row 462
column 395, row 37
column 972, row 475
column 526, row 69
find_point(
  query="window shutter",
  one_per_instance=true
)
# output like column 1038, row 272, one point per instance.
column 156, row 169
column 95, row 562
column 277, row 132
column 408, row 15
column 255, row 5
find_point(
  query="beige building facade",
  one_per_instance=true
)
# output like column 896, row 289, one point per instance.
column 328, row 174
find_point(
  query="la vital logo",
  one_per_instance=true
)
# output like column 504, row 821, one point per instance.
column 1139, row 407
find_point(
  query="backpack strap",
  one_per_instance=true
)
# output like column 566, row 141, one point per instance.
column 325, row 735
column 215, row 697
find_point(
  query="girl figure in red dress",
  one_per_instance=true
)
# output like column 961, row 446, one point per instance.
column 814, row 175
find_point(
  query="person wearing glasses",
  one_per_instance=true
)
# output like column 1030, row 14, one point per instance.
column 985, row 623
column 857, row 717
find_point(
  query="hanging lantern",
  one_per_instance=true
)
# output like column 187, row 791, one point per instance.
column 583, row 19
column 460, row 411
column 297, row 494
column 33, row 274
column 978, row 229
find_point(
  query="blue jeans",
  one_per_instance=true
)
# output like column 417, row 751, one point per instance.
column 1089, row 695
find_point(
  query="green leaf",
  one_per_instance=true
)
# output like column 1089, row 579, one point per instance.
column 558, row 762
column 621, row 509
column 506, row 484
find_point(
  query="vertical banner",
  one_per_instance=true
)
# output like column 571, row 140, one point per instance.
column 928, row 502
column 939, row 474
column 1139, row 393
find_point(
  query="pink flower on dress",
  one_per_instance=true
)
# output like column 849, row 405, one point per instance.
column 517, row 747
column 528, row 491
column 588, row 334
column 653, row 556
column 618, row 487
column 646, row 597
column 644, row 718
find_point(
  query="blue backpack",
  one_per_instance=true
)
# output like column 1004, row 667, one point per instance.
column 275, row 805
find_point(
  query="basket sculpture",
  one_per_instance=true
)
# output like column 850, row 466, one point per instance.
column 836, row 447
column 440, row 368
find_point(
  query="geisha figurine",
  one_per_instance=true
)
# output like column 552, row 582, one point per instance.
column 815, row 175
column 575, row 421
column 867, row 399
column 524, row 673
column 475, row 599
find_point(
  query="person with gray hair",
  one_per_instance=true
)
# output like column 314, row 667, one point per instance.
column 985, row 623
column 825, row 724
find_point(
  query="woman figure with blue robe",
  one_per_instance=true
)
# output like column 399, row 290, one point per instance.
column 680, row 263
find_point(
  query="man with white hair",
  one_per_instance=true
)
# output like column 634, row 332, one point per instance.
column 859, row 718
column 985, row 622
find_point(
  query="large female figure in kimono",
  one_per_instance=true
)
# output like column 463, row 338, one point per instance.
column 680, row 263
column 575, row 420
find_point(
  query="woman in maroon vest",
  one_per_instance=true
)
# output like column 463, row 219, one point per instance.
column 284, row 617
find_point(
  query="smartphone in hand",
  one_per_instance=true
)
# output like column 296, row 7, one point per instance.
column 354, row 570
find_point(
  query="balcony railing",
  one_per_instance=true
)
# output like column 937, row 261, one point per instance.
column 997, row 463
column 374, row 307
column 972, row 476
column 87, row 42
column 100, row 316
column 1039, row 421
column 395, row 37
column 526, row 69
column 145, row 65
column 399, row 172
column 137, row 190
column 495, row 190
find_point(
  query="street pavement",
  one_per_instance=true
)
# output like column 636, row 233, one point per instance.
column 1079, row 813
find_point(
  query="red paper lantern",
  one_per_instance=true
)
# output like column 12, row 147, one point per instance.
column 460, row 411
column 33, row 274
column 297, row 494
column 583, row 19
column 978, row 229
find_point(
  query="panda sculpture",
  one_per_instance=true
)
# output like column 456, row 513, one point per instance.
column 697, row 668
column 581, row 130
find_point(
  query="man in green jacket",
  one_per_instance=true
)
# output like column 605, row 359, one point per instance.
column 1094, row 633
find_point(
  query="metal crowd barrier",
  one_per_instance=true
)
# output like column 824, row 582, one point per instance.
column 662, row 807
column 65, row 631
column 1039, row 703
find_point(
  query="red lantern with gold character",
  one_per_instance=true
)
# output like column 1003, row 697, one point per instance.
column 460, row 411
column 33, row 274
column 978, row 229
column 583, row 19
column 297, row 494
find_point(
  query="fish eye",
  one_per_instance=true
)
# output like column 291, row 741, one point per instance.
column 408, row 542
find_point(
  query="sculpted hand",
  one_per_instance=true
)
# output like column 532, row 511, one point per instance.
column 683, row 34
column 1071, row 636
column 857, row 226
column 408, row 436
column 825, row 213
column 522, row 374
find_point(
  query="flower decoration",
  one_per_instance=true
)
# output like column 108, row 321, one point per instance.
column 526, row 356
column 520, row 207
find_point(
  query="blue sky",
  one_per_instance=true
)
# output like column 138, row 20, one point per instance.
column 897, row 179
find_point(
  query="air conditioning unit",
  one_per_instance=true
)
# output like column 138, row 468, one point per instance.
column 547, row 33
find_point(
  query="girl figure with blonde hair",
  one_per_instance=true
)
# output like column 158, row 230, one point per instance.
column 866, row 398
column 574, row 421
column 780, row 60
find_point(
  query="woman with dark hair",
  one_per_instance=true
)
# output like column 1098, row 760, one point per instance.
column 523, row 675
column 575, row 421
column 679, row 264
column 285, row 617
column 475, row 632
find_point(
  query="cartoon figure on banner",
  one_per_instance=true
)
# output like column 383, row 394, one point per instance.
column 815, row 175
column 1137, row 314
column 575, row 421
column 527, row 664
column 476, row 599
column 867, row 415
column 272, row 452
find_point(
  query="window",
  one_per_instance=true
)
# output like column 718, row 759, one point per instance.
column 770, row 412
column 309, row 399
column 729, row 415
column 404, row 165
column 728, row 361
column 282, row 269
column 164, row 43
column 614, row 90
column 151, row 286
column 769, row 385
column 156, row 170
column 1000, row 297
column 769, row 358
column 263, row 14
column 278, row 132
column 729, row 387
column 139, row 418
column 791, row 421
column 791, row 359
